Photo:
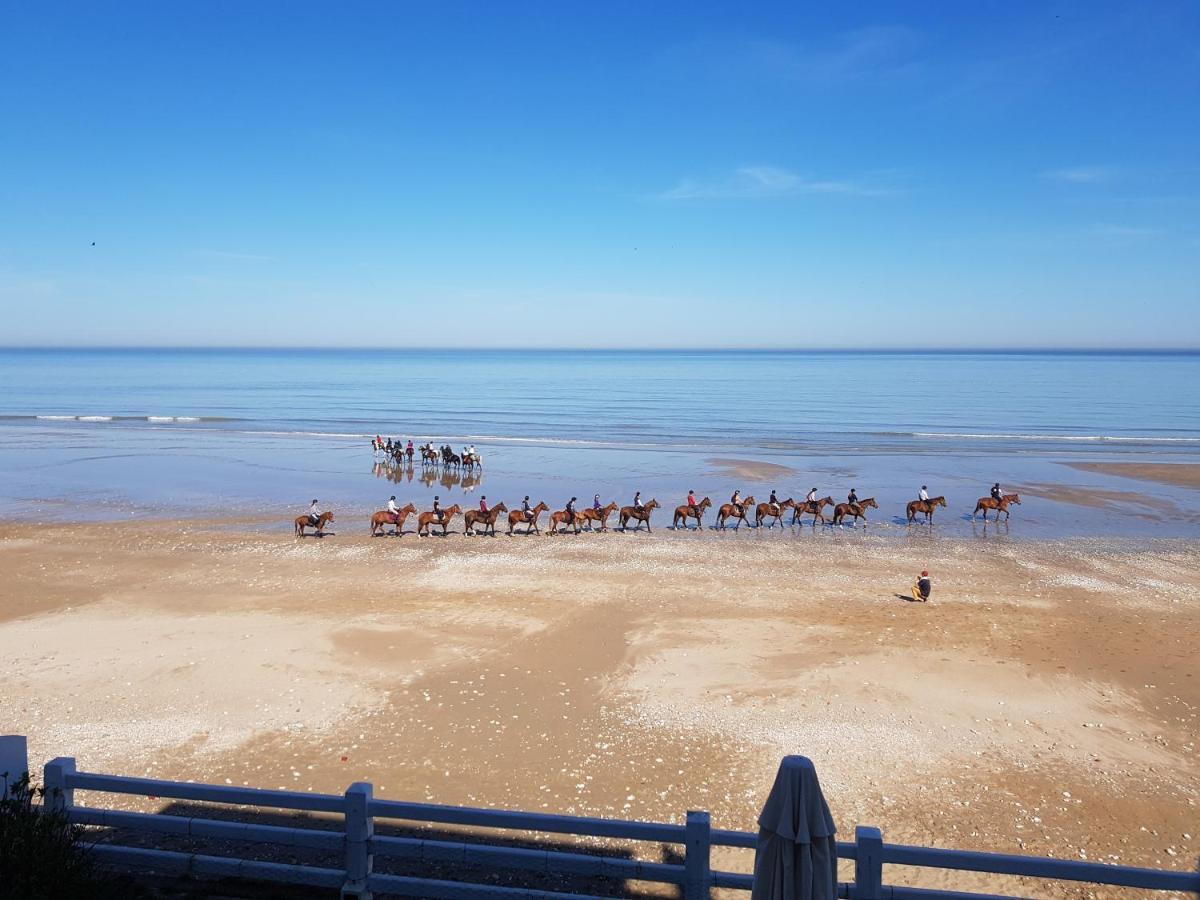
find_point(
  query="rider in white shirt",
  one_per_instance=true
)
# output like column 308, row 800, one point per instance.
column 924, row 495
column 314, row 513
column 392, row 508
column 812, row 496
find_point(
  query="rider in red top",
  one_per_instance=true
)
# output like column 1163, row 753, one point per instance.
column 483, row 504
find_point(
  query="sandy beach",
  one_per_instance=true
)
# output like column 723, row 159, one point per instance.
column 1044, row 702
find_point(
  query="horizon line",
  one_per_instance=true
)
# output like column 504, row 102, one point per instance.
column 349, row 348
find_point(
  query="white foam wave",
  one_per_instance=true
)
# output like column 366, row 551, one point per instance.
column 58, row 418
column 1122, row 439
column 95, row 418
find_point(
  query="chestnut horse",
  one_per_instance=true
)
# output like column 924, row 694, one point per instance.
column 767, row 511
column 561, row 517
column 734, row 511
column 600, row 515
column 642, row 515
column 425, row 518
column 303, row 522
column 924, row 506
column 813, row 508
column 685, row 512
column 517, row 516
column 383, row 517
column 429, row 456
column 473, row 518
column 856, row 511
column 1000, row 506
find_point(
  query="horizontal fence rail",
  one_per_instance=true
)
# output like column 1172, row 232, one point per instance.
column 358, row 847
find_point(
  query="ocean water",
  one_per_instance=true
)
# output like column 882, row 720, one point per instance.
column 150, row 431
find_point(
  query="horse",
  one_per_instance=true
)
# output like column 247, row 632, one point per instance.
column 641, row 515
column 600, row 515
column 772, row 511
column 384, row 517
column 685, row 512
column 425, row 518
column 924, row 506
column 855, row 510
column 813, row 508
column 473, row 517
column 304, row 521
column 561, row 518
column 734, row 511
column 409, row 453
column 1000, row 506
column 429, row 456
column 517, row 516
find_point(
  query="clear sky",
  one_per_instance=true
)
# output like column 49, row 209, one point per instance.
column 600, row 174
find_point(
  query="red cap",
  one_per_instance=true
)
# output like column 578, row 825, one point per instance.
column 924, row 571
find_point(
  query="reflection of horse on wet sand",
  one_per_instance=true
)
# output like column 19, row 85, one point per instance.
column 384, row 517
column 1000, row 506
column 855, row 511
column 475, row 518
column 304, row 521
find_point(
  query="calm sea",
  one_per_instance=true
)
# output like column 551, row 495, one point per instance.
column 274, row 426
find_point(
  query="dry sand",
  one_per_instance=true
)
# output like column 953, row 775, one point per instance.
column 1046, row 701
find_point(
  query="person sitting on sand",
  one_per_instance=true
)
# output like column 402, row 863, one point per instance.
column 852, row 497
column 314, row 513
column 920, row 590
column 483, row 504
column 812, row 496
column 924, row 495
column 437, row 509
column 596, row 502
column 571, row 511
column 996, row 495
column 527, row 509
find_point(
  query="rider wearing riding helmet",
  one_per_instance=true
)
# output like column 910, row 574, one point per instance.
column 483, row 504
column 812, row 496
column 852, row 497
column 527, row 509
column 596, row 502
column 314, row 513
column 437, row 509
column 692, row 502
column 996, row 495
column 571, row 511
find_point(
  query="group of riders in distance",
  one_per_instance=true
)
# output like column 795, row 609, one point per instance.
column 398, row 451
column 736, row 512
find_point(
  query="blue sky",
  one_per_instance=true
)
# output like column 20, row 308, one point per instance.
column 616, row 174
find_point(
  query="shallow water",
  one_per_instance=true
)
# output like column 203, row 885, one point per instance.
column 146, row 432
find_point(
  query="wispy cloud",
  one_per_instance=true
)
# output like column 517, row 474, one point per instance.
column 1083, row 174
column 750, row 182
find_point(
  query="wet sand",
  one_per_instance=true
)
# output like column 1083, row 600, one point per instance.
column 1046, row 700
column 1180, row 474
column 750, row 469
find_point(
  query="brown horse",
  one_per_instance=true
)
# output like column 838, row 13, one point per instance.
column 429, row 456
column 685, row 512
column 856, row 511
column 562, row 517
column 383, row 517
column 473, row 518
column 426, row 518
column 734, row 511
column 640, row 515
column 766, row 511
column 1000, row 506
column 924, row 506
column 303, row 522
column 600, row 515
column 517, row 516
column 813, row 508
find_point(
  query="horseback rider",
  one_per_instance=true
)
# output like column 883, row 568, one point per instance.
column 527, row 509
column 571, row 511
column 812, row 496
column 852, row 497
column 410, row 447
column 996, row 495
column 692, row 505
column 483, row 504
column 637, row 502
column 437, row 508
column 596, row 503
column 923, row 496
column 392, row 508
column 736, row 500
column 774, row 501
column 314, row 513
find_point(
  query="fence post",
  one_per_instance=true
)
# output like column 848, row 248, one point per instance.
column 868, row 863
column 360, row 829
column 58, row 797
column 697, row 868
column 14, row 760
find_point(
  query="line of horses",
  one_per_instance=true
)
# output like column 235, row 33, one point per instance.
column 444, row 456
column 766, row 515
